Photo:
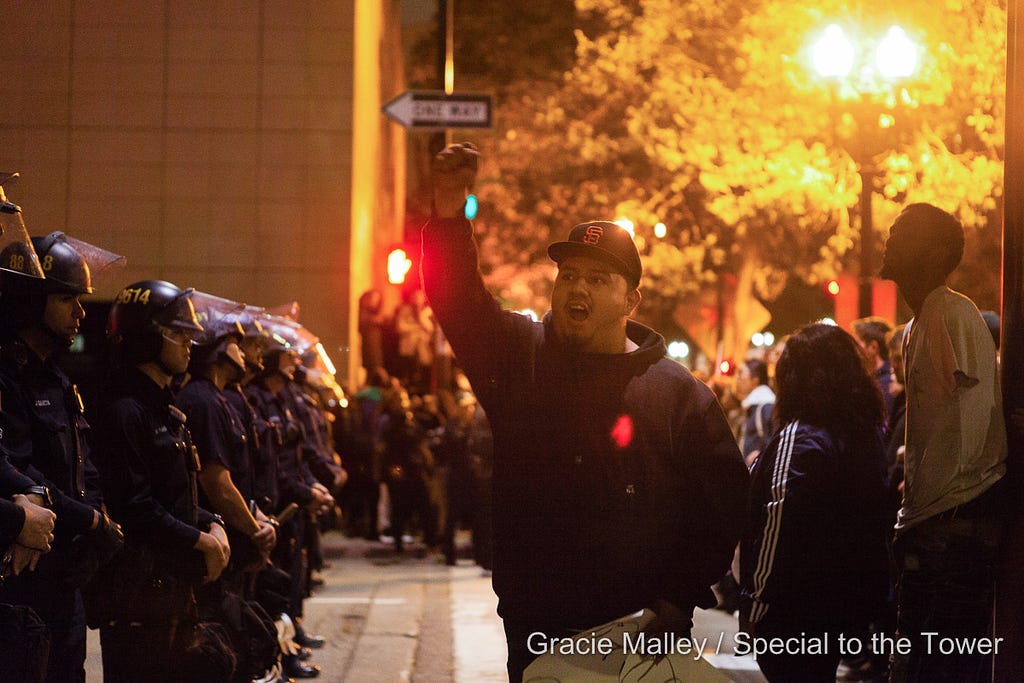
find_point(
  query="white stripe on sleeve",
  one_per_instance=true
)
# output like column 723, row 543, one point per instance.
column 773, row 524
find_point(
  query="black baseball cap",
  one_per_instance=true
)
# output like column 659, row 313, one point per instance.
column 604, row 241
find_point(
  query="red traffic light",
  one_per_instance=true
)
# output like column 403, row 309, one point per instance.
column 832, row 287
column 399, row 265
column 726, row 367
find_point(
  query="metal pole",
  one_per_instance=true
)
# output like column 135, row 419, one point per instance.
column 449, row 47
column 446, row 15
column 1009, row 624
column 867, row 242
column 442, row 42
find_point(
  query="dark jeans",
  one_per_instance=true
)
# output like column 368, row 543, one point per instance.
column 946, row 586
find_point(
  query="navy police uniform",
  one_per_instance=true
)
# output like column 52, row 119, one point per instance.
column 148, row 466
column 42, row 432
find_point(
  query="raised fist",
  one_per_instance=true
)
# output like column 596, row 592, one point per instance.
column 453, row 171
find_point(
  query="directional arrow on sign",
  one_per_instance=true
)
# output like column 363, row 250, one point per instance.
column 435, row 109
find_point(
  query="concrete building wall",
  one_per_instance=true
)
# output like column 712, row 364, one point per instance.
column 209, row 141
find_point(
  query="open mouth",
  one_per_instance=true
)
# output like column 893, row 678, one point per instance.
column 578, row 312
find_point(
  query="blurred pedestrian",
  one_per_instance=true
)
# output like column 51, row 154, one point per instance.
column 896, row 421
column 814, row 560
column 617, row 481
column 372, row 321
column 872, row 334
column 952, row 518
column 414, row 326
column 406, row 459
column 758, row 402
column 481, row 455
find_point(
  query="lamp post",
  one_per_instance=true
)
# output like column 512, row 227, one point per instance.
column 836, row 59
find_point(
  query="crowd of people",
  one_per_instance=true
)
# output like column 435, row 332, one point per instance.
column 419, row 466
column 836, row 433
column 873, row 504
column 852, row 487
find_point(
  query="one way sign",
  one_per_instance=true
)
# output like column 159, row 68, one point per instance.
column 435, row 109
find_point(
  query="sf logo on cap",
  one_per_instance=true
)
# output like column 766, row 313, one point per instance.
column 592, row 235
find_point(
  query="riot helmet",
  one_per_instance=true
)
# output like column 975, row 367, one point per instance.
column 255, row 337
column 68, row 265
column 145, row 313
column 321, row 372
column 72, row 265
column 221, row 333
column 284, row 340
column 16, row 253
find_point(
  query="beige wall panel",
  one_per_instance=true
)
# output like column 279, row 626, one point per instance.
column 210, row 141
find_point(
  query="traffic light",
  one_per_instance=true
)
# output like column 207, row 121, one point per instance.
column 472, row 204
column 832, row 287
column 399, row 265
column 726, row 368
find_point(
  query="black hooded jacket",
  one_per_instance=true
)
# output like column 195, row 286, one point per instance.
column 617, row 480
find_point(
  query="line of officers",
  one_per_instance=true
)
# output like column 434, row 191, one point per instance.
column 180, row 517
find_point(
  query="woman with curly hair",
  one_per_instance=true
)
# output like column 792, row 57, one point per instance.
column 814, row 565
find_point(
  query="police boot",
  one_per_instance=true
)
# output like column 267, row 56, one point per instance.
column 304, row 639
column 293, row 668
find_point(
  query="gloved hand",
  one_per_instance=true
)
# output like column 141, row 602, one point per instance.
column 92, row 550
column 108, row 538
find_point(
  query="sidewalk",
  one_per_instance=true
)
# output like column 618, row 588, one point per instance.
column 389, row 618
column 410, row 617
column 404, row 617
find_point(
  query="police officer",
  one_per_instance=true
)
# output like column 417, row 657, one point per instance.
column 305, row 392
column 148, row 467
column 263, row 438
column 295, row 483
column 26, row 528
column 220, row 435
column 44, row 435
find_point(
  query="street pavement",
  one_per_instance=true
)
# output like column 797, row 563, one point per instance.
column 389, row 618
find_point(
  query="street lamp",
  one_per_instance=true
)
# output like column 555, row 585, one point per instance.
column 834, row 57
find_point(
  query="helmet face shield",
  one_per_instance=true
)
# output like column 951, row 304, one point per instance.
column 248, row 321
column 288, row 334
column 180, row 314
column 16, row 252
column 216, row 315
column 222, row 331
column 70, row 264
column 320, row 370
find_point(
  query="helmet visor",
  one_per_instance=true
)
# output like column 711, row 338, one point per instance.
column 216, row 315
column 71, row 264
column 102, row 264
column 16, row 252
column 249, row 318
column 180, row 314
column 289, row 334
